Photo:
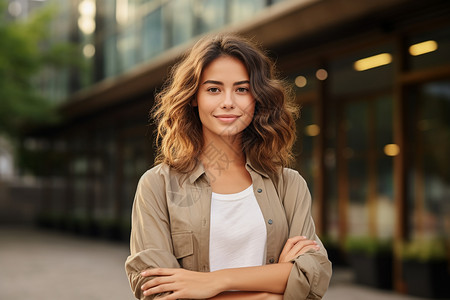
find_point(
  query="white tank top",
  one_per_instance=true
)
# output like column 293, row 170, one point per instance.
column 238, row 232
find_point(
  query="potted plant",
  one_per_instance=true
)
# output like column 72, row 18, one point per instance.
column 426, row 268
column 371, row 260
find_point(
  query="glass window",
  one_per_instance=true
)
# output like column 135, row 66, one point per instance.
column 153, row 34
column 368, row 152
column 242, row 10
column 355, row 123
column 429, row 142
column 80, row 184
column 305, row 81
column 135, row 164
column 182, row 21
column 111, row 67
column 385, row 151
column 108, row 15
column 127, row 44
column 211, row 14
column 368, row 70
column 307, row 131
column 355, row 152
column 331, row 177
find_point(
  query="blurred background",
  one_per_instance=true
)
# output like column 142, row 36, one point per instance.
column 78, row 77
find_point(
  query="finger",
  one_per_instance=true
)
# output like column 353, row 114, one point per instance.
column 159, row 289
column 297, row 249
column 290, row 243
column 157, row 281
column 294, row 240
column 306, row 248
column 309, row 248
column 157, row 272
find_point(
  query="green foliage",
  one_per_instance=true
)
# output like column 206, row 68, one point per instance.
column 368, row 245
column 423, row 250
column 25, row 50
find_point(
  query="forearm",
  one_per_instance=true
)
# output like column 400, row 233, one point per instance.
column 247, row 296
column 269, row 278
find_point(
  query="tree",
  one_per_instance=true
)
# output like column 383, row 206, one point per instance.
column 25, row 50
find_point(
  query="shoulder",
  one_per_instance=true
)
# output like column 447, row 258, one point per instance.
column 156, row 177
column 290, row 182
column 291, row 176
column 154, row 183
column 155, row 173
column 160, row 175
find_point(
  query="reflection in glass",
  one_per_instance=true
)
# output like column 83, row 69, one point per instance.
column 182, row 21
column 304, row 146
column 368, row 128
column 242, row 10
column 153, row 34
column 429, row 174
column 211, row 14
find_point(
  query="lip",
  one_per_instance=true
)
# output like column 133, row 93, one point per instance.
column 227, row 118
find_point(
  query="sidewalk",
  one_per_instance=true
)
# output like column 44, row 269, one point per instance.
column 342, row 287
column 45, row 265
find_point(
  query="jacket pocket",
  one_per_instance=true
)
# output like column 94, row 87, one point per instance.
column 183, row 248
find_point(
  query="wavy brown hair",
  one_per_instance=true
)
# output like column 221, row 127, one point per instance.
column 267, row 141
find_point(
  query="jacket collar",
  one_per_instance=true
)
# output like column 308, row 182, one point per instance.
column 252, row 167
column 199, row 170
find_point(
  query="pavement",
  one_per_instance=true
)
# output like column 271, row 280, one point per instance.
column 46, row 265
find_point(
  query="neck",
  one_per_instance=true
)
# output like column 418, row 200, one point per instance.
column 222, row 151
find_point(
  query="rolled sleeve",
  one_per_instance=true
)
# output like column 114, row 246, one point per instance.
column 309, row 277
column 311, row 272
column 150, row 242
column 138, row 262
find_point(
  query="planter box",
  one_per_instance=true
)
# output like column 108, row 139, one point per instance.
column 427, row 279
column 372, row 270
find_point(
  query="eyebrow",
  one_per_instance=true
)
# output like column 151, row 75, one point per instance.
column 221, row 83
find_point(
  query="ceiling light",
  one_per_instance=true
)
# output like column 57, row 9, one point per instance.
column 422, row 48
column 373, row 62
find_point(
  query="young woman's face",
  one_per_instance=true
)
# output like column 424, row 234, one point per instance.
column 225, row 102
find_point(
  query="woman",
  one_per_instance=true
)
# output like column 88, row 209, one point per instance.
column 220, row 216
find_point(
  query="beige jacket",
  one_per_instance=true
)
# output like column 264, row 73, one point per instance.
column 170, row 226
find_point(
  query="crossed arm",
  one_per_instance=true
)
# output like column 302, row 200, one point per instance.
column 263, row 282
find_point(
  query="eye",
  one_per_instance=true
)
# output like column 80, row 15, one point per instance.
column 242, row 90
column 213, row 90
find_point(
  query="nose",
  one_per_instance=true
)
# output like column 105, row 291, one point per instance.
column 227, row 101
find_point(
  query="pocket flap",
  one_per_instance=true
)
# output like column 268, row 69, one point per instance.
column 183, row 244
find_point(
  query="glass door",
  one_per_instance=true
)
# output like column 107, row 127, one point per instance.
column 428, row 171
column 366, row 166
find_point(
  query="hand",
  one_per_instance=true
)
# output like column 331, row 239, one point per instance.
column 296, row 246
column 247, row 296
column 182, row 283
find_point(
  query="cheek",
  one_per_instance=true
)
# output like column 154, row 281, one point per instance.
column 250, row 109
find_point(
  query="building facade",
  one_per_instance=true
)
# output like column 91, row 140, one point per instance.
column 372, row 79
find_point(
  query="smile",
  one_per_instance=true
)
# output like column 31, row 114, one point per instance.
column 227, row 118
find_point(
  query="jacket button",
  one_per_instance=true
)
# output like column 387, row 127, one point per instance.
column 259, row 190
column 271, row 260
column 270, row 221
